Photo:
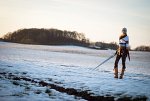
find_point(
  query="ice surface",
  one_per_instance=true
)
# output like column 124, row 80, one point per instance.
column 70, row 67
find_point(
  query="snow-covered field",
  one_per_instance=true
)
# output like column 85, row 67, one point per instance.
column 43, row 73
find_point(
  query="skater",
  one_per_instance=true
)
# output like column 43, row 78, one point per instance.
column 122, row 52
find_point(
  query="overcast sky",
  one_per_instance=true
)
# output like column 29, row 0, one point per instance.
column 100, row 20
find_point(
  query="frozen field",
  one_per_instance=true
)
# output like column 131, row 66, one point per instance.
column 56, row 73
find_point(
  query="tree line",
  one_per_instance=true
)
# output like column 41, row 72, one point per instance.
column 59, row 37
column 142, row 48
column 103, row 45
column 47, row 37
column 54, row 37
column 1, row 39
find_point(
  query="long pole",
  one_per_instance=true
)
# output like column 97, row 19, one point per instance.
column 105, row 61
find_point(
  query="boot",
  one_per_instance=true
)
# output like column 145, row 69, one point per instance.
column 122, row 73
column 116, row 72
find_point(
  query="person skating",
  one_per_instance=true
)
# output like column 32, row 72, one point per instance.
column 122, row 52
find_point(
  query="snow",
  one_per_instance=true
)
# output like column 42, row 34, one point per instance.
column 69, row 67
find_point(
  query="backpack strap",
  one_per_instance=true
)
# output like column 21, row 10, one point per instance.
column 122, row 36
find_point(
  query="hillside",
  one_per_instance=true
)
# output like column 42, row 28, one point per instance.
column 47, row 37
column 55, row 37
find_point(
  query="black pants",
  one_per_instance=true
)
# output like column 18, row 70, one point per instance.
column 123, row 55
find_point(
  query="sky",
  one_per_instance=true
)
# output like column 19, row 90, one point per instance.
column 99, row 20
